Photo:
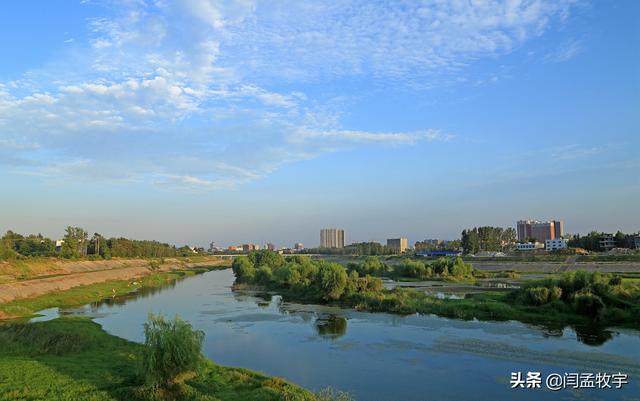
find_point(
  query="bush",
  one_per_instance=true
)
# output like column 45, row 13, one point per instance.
column 589, row 304
column 373, row 266
column 263, row 275
column 537, row 295
column 332, row 280
column 171, row 348
column 243, row 269
column 555, row 294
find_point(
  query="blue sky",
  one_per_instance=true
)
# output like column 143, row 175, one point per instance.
column 253, row 121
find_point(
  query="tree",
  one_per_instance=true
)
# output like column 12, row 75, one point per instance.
column 171, row 348
column 332, row 280
column 243, row 269
column 75, row 241
column 372, row 265
column 470, row 241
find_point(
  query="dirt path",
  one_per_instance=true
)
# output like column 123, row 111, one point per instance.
column 89, row 273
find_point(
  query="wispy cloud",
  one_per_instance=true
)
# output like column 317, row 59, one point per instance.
column 573, row 152
column 566, row 51
column 183, row 92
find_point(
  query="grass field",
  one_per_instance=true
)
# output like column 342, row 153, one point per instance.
column 74, row 359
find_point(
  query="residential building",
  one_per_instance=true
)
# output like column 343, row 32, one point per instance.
column 398, row 244
column 250, row 247
column 271, row 247
column 524, row 229
column 558, row 227
column 540, row 231
column 607, row 242
column 543, row 231
column 555, row 244
column 298, row 246
column 331, row 238
column 529, row 246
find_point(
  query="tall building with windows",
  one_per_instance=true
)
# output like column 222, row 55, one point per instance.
column 398, row 244
column 543, row 231
column 540, row 231
column 558, row 226
column 331, row 238
column 524, row 230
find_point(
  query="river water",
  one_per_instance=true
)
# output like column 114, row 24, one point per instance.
column 374, row 356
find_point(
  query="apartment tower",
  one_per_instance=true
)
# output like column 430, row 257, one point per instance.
column 331, row 238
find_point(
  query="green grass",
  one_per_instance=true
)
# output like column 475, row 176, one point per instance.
column 82, row 295
column 74, row 359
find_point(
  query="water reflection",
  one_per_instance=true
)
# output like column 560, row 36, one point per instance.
column 331, row 326
column 376, row 356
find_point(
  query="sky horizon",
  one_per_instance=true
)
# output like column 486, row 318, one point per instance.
column 253, row 121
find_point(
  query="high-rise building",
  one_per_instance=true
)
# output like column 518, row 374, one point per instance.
column 298, row 246
column 271, row 247
column 540, row 231
column 558, row 226
column 331, row 238
column 398, row 244
column 524, row 230
column 543, row 231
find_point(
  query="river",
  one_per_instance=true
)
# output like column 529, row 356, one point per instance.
column 374, row 356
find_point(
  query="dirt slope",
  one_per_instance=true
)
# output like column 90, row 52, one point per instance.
column 63, row 275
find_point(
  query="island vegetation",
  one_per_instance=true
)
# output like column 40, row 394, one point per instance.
column 576, row 297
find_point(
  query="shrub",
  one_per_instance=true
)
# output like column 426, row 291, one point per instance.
column 263, row 275
column 372, row 265
column 555, row 294
column 537, row 295
column 171, row 349
column 616, row 280
column 332, row 280
column 588, row 304
column 243, row 269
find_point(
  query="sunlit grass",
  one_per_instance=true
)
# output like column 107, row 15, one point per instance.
column 74, row 359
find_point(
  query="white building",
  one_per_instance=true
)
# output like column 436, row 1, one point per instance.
column 555, row 244
column 529, row 246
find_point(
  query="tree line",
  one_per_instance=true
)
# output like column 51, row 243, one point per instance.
column 487, row 238
column 591, row 241
column 77, row 243
column 359, row 248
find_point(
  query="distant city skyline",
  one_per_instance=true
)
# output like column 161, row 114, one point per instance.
column 198, row 121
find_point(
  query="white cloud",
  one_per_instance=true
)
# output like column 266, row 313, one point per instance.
column 566, row 51
column 573, row 152
column 182, row 93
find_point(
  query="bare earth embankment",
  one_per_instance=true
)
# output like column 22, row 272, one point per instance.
column 27, row 279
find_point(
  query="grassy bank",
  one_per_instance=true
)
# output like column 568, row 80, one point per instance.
column 95, row 292
column 74, row 359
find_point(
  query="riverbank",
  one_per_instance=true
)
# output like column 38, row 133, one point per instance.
column 29, row 278
column 75, row 359
column 136, row 281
